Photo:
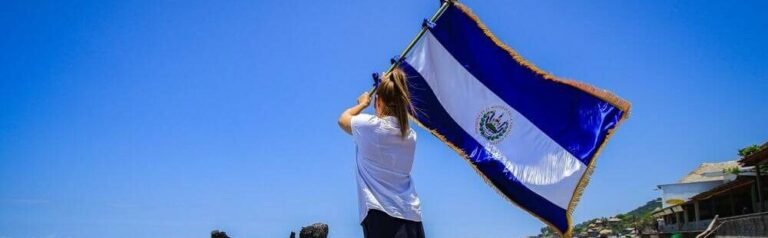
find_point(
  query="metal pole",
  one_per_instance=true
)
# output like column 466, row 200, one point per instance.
column 410, row 46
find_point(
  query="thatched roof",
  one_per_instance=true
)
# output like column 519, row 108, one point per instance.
column 709, row 172
column 606, row 232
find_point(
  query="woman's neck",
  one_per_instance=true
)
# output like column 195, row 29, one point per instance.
column 382, row 113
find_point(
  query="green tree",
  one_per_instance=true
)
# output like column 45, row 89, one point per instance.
column 746, row 151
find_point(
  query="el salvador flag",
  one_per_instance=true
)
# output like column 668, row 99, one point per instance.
column 531, row 136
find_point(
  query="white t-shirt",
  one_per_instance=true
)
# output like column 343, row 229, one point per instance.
column 384, row 160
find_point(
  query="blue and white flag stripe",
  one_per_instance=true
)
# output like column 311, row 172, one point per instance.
column 457, row 73
column 540, row 163
column 563, row 115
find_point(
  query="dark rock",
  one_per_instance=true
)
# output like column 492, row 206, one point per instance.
column 293, row 234
column 317, row 230
column 218, row 234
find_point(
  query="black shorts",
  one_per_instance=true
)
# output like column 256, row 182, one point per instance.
column 378, row 224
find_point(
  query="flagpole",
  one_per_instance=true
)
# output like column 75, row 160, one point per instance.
column 443, row 6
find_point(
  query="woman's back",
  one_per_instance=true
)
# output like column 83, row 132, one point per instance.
column 389, row 205
column 384, row 162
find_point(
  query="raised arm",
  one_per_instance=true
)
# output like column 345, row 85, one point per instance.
column 345, row 119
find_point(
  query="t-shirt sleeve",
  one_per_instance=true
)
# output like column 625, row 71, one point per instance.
column 362, row 125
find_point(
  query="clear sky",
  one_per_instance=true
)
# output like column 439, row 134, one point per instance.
column 174, row 118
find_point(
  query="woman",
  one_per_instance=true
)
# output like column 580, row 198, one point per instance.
column 389, row 205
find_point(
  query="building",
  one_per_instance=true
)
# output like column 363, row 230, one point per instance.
column 703, row 178
column 720, row 199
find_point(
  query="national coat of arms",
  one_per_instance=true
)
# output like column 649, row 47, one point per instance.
column 494, row 123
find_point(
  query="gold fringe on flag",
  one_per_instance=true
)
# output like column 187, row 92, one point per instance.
column 599, row 93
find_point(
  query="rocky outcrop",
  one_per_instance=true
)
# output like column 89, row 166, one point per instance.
column 218, row 234
column 317, row 230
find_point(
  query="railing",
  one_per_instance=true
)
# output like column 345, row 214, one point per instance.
column 668, row 228
column 695, row 226
column 750, row 225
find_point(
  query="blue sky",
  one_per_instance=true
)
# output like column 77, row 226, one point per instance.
column 174, row 118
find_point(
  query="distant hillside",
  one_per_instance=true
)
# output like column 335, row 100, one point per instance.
column 645, row 209
column 637, row 218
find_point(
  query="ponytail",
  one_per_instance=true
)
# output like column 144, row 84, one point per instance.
column 393, row 92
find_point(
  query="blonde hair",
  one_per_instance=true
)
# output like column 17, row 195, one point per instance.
column 394, row 95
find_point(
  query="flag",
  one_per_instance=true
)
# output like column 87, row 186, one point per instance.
column 530, row 135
